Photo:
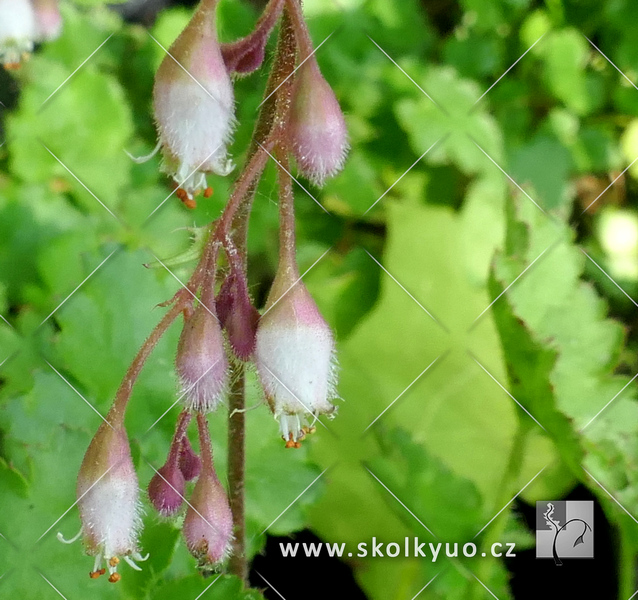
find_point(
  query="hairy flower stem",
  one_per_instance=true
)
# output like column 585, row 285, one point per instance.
column 270, row 126
column 287, row 237
column 183, row 421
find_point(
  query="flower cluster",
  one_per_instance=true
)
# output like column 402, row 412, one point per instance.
column 24, row 23
column 289, row 343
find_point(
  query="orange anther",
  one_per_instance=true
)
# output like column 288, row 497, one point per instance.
column 290, row 444
column 297, row 445
column 94, row 574
column 114, row 577
column 208, row 192
column 190, row 203
column 181, row 194
column 12, row 66
column 114, row 561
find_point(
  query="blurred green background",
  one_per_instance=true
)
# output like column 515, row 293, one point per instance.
column 403, row 265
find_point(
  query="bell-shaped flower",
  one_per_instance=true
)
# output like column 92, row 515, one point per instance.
column 317, row 130
column 295, row 357
column 167, row 486
column 208, row 525
column 201, row 361
column 194, row 105
column 190, row 464
column 108, row 501
column 17, row 32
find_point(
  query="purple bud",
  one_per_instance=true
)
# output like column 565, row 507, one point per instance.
column 194, row 104
column 108, row 500
column 238, row 315
column 48, row 19
column 317, row 129
column 247, row 55
column 201, row 361
column 17, row 32
column 208, row 526
column 190, row 463
column 294, row 356
column 166, row 488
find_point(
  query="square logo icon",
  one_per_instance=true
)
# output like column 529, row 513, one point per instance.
column 565, row 529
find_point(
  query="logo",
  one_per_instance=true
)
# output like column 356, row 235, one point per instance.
column 565, row 529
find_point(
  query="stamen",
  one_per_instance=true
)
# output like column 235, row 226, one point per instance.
column 97, row 562
column 142, row 159
column 114, row 561
column 137, row 556
column 73, row 539
column 208, row 192
column 114, row 577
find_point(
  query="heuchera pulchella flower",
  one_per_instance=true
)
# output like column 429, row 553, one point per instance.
column 194, row 105
column 201, row 361
column 48, row 19
column 17, row 32
column 317, row 130
column 167, row 486
column 208, row 525
column 295, row 357
column 108, row 500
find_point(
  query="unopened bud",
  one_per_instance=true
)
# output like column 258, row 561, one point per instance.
column 295, row 357
column 48, row 19
column 238, row 315
column 208, row 526
column 317, row 130
column 17, row 32
column 194, row 104
column 201, row 361
column 166, row 488
column 190, row 463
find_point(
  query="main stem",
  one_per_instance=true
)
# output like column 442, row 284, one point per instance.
column 269, row 128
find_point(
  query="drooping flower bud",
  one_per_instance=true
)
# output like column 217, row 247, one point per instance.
column 247, row 54
column 294, row 356
column 208, row 525
column 189, row 462
column 201, row 361
column 17, row 32
column 238, row 315
column 108, row 500
column 166, row 488
column 317, row 130
column 48, row 19
column 194, row 105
